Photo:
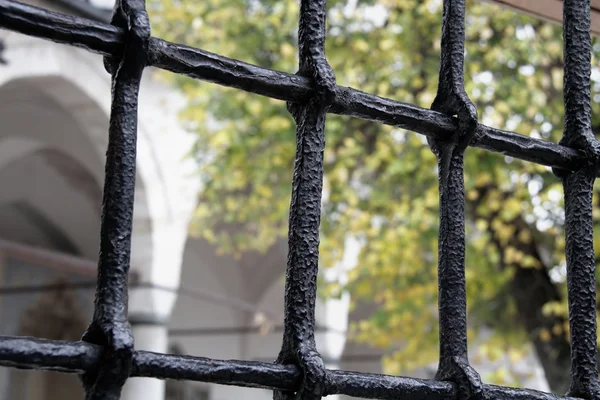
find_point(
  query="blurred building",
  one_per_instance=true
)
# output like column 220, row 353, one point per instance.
column 54, row 108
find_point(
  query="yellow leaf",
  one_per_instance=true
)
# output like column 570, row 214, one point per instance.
column 472, row 195
column 525, row 236
column 481, row 224
column 545, row 335
column 264, row 191
column 360, row 45
column 287, row 50
column 483, row 179
column 386, row 44
column 557, row 329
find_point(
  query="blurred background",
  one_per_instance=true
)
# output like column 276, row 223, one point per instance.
column 214, row 183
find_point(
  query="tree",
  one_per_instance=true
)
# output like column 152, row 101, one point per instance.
column 381, row 182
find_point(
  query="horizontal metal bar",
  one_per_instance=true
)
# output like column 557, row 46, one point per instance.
column 33, row 353
column 106, row 39
column 91, row 35
column 224, row 372
column 78, row 357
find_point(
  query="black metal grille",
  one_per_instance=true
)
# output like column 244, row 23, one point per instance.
column 105, row 357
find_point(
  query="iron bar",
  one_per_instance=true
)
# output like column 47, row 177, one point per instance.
column 452, row 99
column 298, row 345
column 76, row 357
column 107, row 40
column 578, row 188
column 109, row 326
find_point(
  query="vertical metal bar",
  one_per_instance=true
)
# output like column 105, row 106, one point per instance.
column 109, row 326
column 305, row 209
column 452, row 99
column 581, row 265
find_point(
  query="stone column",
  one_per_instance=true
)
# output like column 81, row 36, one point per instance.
column 332, row 321
column 150, row 333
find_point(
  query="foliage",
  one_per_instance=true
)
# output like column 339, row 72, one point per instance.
column 381, row 183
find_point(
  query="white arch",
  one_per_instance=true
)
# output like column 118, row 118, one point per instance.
column 165, row 191
column 13, row 148
column 35, row 196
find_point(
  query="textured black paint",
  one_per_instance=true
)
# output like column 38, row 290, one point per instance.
column 31, row 353
column 298, row 345
column 106, row 357
column 581, row 264
column 452, row 99
column 200, row 64
column 578, row 57
column 61, row 28
column 110, row 327
column 581, row 283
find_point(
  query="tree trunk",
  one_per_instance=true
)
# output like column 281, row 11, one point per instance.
column 531, row 288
